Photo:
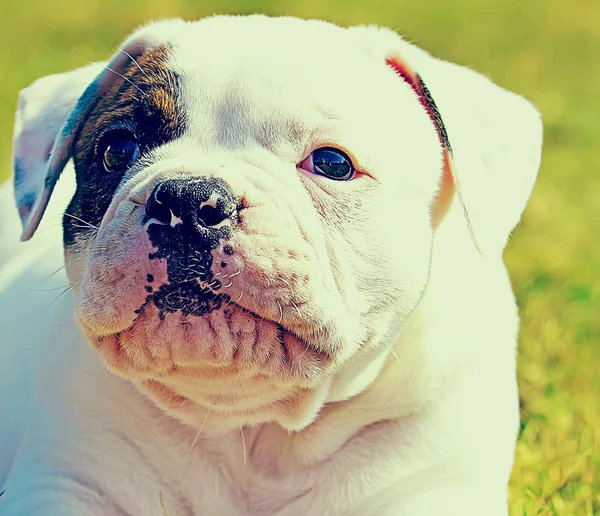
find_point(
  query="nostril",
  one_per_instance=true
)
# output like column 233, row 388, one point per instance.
column 157, row 209
column 210, row 216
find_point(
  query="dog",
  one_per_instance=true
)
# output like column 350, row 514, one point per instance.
column 284, row 291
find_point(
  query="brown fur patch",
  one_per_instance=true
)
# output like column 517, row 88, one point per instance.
column 147, row 88
column 142, row 98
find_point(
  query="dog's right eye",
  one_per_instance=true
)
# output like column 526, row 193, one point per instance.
column 118, row 150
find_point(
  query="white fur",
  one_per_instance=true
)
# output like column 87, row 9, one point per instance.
column 427, row 429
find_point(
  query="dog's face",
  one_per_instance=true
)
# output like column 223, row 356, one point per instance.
column 256, row 206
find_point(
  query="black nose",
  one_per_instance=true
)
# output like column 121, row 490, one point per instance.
column 198, row 204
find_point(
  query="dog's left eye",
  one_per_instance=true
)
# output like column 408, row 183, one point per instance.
column 329, row 162
column 118, row 150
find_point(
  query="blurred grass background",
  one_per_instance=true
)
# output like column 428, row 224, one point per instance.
column 546, row 50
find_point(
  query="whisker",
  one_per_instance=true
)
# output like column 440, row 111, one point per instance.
column 80, row 226
column 304, row 351
column 194, row 442
column 60, row 269
column 49, row 289
column 81, row 220
column 126, row 79
column 58, row 297
column 135, row 62
column 82, row 285
column 296, row 307
column 243, row 443
column 162, row 503
column 391, row 350
column 289, row 286
column 90, row 254
column 197, row 435
column 133, row 97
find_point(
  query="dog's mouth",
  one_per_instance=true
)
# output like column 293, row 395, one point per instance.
column 190, row 329
column 191, row 298
column 198, row 298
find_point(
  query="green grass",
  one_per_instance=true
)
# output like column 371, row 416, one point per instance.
column 546, row 50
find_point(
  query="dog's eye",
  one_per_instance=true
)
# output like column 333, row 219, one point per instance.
column 329, row 162
column 118, row 149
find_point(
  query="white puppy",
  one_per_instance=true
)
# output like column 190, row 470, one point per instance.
column 284, row 246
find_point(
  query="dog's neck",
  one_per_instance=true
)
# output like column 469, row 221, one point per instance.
column 271, row 451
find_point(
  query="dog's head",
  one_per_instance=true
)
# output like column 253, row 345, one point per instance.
column 257, row 201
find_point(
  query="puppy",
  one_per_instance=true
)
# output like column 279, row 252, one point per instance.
column 283, row 285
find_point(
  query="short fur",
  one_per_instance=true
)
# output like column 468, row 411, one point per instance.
column 361, row 357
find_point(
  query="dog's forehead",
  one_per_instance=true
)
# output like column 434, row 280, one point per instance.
column 306, row 57
column 266, row 43
column 281, row 78
column 303, row 61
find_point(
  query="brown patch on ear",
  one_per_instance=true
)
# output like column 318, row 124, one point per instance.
column 443, row 199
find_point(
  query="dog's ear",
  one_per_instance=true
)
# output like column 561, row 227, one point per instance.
column 41, row 113
column 494, row 137
column 50, row 114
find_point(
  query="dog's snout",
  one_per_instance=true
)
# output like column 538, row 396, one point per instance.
column 185, row 219
column 205, row 202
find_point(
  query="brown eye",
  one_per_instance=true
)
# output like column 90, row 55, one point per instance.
column 119, row 149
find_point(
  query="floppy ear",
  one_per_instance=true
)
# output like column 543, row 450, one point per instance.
column 42, row 110
column 495, row 136
column 50, row 114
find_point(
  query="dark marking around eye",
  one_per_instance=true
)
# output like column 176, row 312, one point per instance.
column 143, row 102
column 118, row 150
column 227, row 249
